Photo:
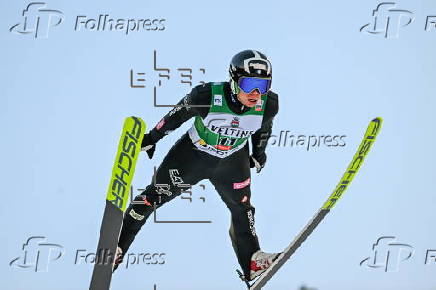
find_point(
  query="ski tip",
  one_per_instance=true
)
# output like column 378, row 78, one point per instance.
column 377, row 119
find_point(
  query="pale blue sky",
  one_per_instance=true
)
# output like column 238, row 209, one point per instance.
column 63, row 100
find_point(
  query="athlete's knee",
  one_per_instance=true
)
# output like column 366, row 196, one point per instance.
column 146, row 202
column 137, row 212
column 239, row 207
column 158, row 194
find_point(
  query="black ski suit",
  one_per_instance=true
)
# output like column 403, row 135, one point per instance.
column 185, row 164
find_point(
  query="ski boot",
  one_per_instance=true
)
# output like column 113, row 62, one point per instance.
column 260, row 261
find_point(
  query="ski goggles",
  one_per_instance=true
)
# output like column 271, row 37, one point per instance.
column 248, row 84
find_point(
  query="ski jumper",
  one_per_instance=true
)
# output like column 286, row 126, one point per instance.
column 215, row 148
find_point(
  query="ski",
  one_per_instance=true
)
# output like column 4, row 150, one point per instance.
column 117, row 197
column 368, row 139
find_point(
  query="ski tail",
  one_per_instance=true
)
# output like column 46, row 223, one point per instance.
column 117, row 197
column 368, row 139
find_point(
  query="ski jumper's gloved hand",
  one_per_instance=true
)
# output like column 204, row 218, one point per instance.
column 258, row 161
column 148, row 145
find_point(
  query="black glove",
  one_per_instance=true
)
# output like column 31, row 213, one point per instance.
column 148, row 145
column 258, row 161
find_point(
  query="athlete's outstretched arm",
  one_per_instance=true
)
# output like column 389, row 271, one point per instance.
column 199, row 96
column 259, row 139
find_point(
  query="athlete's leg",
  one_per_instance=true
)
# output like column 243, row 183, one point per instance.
column 182, row 166
column 232, row 181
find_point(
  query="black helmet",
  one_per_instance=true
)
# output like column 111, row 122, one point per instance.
column 248, row 63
